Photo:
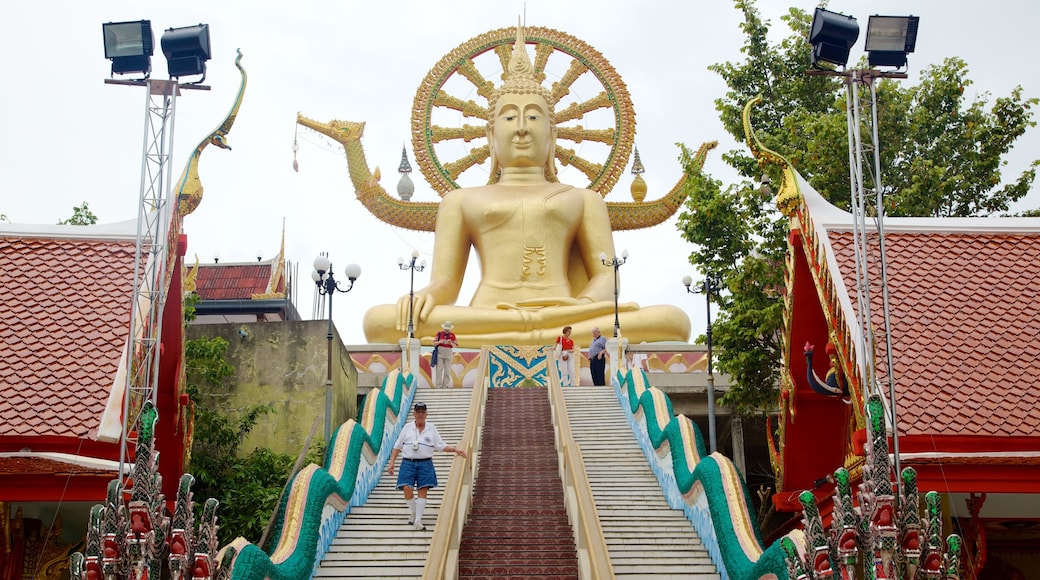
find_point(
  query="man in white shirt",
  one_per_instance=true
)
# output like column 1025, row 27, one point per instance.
column 417, row 442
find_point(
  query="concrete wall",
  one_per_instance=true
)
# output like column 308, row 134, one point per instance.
column 283, row 364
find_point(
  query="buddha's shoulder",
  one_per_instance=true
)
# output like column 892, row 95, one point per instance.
column 539, row 188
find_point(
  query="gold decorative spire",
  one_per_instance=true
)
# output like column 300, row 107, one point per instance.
column 277, row 272
column 638, row 188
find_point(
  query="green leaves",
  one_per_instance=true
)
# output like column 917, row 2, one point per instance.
column 941, row 151
column 81, row 216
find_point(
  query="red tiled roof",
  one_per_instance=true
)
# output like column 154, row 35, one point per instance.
column 965, row 314
column 64, row 316
column 232, row 281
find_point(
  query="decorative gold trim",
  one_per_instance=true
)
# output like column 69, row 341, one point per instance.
column 585, row 58
column 277, row 271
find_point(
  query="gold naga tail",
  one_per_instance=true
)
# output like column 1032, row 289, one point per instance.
column 787, row 197
column 189, row 186
column 422, row 216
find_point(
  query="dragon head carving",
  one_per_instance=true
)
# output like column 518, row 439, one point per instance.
column 341, row 131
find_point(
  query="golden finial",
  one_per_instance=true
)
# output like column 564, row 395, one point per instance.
column 638, row 188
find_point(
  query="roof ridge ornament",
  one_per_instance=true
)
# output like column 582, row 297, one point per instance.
column 788, row 196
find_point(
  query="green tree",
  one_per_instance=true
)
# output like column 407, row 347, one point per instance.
column 81, row 216
column 942, row 153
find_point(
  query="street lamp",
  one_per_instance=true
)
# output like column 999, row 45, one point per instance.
column 616, row 263
column 327, row 286
column 411, row 265
column 129, row 45
column 709, row 287
column 186, row 50
column 890, row 39
column 832, row 36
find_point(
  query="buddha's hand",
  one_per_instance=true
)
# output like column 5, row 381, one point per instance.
column 422, row 304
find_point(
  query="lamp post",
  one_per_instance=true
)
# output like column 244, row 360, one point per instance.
column 889, row 39
column 130, row 46
column 616, row 263
column 413, row 267
column 327, row 286
column 709, row 287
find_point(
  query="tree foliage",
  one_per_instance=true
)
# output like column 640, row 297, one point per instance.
column 942, row 153
column 81, row 216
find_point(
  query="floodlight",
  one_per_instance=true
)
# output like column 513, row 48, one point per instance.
column 890, row 39
column 129, row 45
column 832, row 36
column 186, row 50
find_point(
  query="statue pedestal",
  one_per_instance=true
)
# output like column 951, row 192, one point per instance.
column 410, row 350
column 616, row 352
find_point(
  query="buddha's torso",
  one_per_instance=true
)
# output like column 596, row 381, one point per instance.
column 522, row 236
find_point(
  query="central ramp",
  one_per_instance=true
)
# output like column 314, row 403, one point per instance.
column 518, row 526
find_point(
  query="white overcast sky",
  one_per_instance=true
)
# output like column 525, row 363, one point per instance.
column 70, row 138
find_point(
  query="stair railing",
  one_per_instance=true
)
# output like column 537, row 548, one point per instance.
column 593, row 555
column 442, row 560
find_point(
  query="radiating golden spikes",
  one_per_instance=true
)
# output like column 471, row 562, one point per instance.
column 578, row 134
column 469, row 70
column 465, row 132
column 475, row 157
column 562, row 87
column 468, row 108
column 576, row 110
column 542, row 52
column 569, row 157
column 504, row 52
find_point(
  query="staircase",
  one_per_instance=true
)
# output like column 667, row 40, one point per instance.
column 646, row 538
column 375, row 540
column 518, row 526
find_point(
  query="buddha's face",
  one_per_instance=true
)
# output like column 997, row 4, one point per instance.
column 522, row 133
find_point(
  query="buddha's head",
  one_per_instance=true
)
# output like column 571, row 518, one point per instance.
column 521, row 130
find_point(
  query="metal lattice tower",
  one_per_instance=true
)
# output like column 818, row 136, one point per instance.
column 865, row 206
column 151, row 257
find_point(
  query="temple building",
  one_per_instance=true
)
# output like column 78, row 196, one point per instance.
column 962, row 319
column 65, row 301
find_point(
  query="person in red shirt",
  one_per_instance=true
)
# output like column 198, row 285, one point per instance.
column 565, row 358
column 444, row 342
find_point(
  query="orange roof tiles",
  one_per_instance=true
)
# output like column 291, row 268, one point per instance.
column 64, row 315
column 46, row 466
column 232, row 281
column 965, row 314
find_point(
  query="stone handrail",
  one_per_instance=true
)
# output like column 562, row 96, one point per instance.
column 593, row 556
column 442, row 561
column 707, row 488
column 320, row 497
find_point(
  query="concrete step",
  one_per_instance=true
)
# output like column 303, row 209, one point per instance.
column 645, row 537
column 375, row 540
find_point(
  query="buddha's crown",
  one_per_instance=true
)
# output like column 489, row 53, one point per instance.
column 520, row 77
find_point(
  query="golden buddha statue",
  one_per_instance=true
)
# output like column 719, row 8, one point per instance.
column 539, row 243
